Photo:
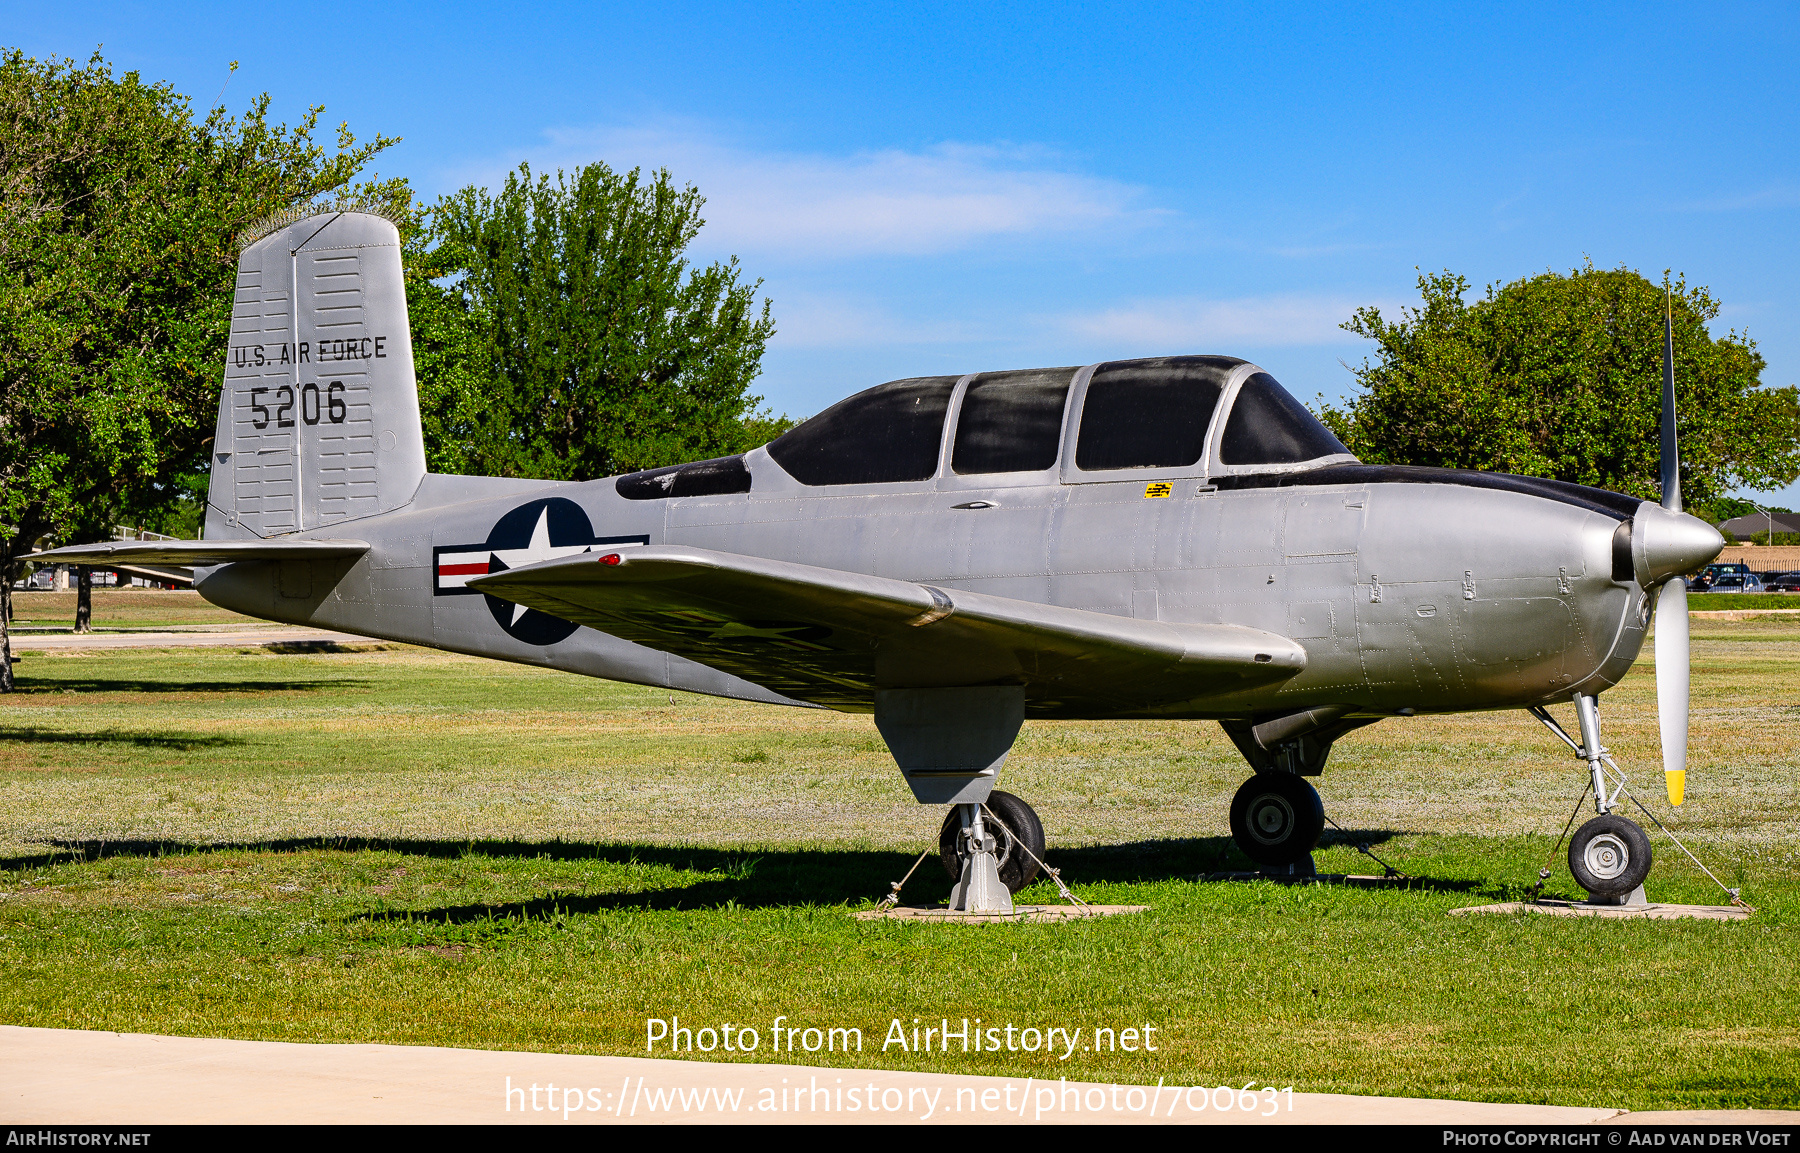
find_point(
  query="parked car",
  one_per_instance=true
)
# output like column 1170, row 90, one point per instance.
column 1708, row 576
column 1782, row 582
column 1733, row 582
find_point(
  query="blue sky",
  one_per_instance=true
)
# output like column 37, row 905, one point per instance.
column 943, row 188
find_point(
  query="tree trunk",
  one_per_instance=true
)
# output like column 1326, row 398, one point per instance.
column 84, row 599
column 6, row 672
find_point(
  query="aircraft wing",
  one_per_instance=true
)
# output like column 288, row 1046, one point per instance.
column 834, row 637
column 192, row 553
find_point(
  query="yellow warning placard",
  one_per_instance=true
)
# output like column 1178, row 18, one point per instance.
column 1158, row 488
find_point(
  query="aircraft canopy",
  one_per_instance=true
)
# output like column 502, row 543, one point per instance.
column 1160, row 413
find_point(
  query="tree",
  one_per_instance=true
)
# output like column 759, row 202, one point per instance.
column 560, row 333
column 119, row 216
column 1561, row 376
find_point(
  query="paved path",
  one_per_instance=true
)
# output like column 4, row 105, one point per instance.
column 67, row 1077
column 231, row 636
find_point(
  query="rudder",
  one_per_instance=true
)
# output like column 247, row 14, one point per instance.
column 319, row 415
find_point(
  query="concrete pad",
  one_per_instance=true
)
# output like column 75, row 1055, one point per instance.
column 1556, row 908
column 1021, row 914
column 69, row 1077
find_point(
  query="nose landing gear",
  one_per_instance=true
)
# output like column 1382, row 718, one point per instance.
column 1610, row 857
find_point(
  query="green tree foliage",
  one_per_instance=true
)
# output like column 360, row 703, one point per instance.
column 1561, row 376
column 560, row 333
column 119, row 213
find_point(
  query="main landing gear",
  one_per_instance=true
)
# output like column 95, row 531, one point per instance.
column 950, row 744
column 1276, row 816
column 1276, row 819
column 1007, row 822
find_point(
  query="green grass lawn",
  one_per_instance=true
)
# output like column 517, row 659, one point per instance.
column 1698, row 602
column 416, row 848
column 123, row 608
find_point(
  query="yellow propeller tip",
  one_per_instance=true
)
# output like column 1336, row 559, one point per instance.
column 1677, row 781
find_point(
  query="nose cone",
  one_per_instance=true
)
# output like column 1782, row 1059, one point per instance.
column 1665, row 543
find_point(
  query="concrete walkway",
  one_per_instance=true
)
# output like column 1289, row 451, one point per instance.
column 66, row 1077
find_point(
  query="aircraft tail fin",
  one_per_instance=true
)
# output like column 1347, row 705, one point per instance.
column 319, row 416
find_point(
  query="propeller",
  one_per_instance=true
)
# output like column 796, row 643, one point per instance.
column 1671, row 599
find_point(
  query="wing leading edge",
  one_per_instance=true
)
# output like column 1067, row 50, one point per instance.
column 833, row 638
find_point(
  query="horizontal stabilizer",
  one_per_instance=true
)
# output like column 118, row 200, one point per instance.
column 193, row 553
column 834, row 637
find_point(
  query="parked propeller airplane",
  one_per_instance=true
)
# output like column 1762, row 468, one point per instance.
column 1174, row 537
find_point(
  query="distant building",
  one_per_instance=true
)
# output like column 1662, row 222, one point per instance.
column 1745, row 527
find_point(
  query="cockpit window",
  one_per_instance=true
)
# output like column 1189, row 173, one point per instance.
column 1150, row 413
column 1268, row 426
column 1011, row 421
column 888, row 433
column 718, row 477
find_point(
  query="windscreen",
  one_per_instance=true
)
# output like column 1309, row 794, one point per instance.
column 888, row 433
column 1268, row 426
column 1150, row 413
column 1011, row 421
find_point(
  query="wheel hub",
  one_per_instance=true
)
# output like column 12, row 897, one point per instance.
column 1271, row 819
column 1607, row 856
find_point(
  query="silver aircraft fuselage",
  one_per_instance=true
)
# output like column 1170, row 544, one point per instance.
column 1410, row 590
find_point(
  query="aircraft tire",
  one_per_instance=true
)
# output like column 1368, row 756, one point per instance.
column 1610, row 856
column 1276, row 818
column 1017, row 869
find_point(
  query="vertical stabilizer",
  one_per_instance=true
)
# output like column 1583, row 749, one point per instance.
column 319, row 417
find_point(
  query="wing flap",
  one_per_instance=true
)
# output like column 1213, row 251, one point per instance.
column 834, row 637
column 192, row 553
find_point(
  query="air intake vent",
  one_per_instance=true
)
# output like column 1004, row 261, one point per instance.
column 1623, row 570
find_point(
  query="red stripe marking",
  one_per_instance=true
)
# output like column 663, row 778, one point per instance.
column 462, row 569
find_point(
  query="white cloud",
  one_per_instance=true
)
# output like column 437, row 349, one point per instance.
column 1192, row 322
column 887, row 202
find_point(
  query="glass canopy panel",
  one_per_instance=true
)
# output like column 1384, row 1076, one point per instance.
column 1150, row 413
column 884, row 434
column 1011, row 421
column 1268, row 426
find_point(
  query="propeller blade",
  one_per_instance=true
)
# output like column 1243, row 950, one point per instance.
column 1671, row 599
column 1672, row 683
column 1671, row 453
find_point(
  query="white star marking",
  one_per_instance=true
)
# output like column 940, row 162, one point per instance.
column 539, row 549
